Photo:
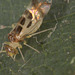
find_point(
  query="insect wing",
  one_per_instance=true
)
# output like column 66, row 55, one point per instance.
column 30, row 27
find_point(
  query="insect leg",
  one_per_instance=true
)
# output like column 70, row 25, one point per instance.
column 13, row 57
column 36, row 40
column 2, row 46
column 26, row 62
column 31, row 47
column 41, row 32
column 52, row 31
column 2, row 51
column 3, row 27
column 21, row 54
column 54, row 27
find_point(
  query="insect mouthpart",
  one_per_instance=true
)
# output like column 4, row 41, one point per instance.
column 10, row 51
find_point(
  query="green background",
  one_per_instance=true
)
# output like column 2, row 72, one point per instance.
column 57, row 55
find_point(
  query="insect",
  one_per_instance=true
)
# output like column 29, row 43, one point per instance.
column 28, row 24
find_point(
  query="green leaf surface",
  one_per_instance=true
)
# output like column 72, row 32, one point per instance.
column 57, row 55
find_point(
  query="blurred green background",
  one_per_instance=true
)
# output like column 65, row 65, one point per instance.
column 57, row 55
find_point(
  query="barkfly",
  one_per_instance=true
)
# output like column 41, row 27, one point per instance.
column 26, row 27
